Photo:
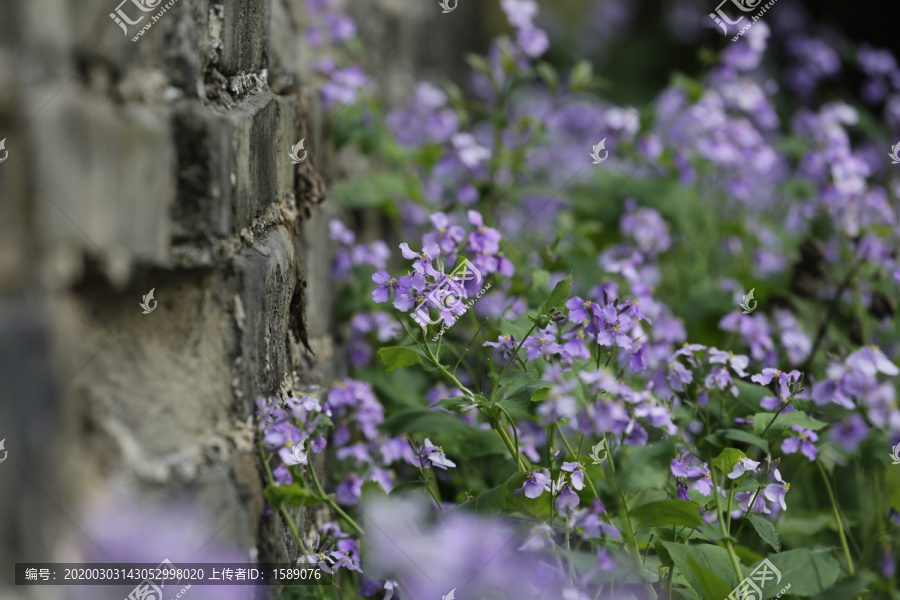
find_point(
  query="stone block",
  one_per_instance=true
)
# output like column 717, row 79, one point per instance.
column 266, row 275
column 104, row 178
column 254, row 122
column 204, row 201
column 244, row 36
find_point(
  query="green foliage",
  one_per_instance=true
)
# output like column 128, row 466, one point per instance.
column 503, row 499
column 676, row 513
column 775, row 425
column 456, row 437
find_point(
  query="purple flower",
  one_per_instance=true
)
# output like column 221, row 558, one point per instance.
column 469, row 151
column 737, row 363
column 423, row 262
column 775, row 492
column 282, row 475
column 638, row 360
column 583, row 311
column 536, row 483
column 408, row 291
column 743, row 466
column 870, row 360
column 679, row 376
column 850, row 432
column 433, row 456
column 504, row 342
column 386, row 285
column 614, row 335
column 719, row 379
column 566, row 500
column 349, row 491
column 804, row 443
column 520, row 13
column 783, row 380
column 541, row 346
column 577, row 474
column 340, row 27
column 533, row 41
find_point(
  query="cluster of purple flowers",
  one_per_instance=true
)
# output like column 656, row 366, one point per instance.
column 854, row 385
column 428, row 285
column 350, row 254
column 721, row 135
column 340, row 85
column 287, row 428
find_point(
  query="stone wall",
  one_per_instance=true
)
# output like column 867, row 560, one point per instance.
column 162, row 164
column 157, row 164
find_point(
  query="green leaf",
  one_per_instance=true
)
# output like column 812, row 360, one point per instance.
column 459, row 439
column 503, row 499
column 737, row 435
column 397, row 357
column 548, row 75
column 644, row 466
column 520, row 398
column 540, row 278
column 807, row 572
column 408, row 487
column 581, row 75
column 727, row 459
column 372, row 490
column 784, row 420
column 460, row 404
column 481, row 65
column 323, row 424
column 372, row 190
column 765, row 529
column 676, row 513
column 558, row 296
column 852, row 587
column 694, row 88
column 711, row 584
column 705, row 559
column 291, row 495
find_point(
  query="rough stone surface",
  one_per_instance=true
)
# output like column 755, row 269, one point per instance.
column 157, row 164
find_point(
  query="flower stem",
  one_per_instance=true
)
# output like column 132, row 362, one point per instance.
column 511, row 358
column 330, row 501
column 858, row 306
column 837, row 517
column 734, row 559
column 626, row 517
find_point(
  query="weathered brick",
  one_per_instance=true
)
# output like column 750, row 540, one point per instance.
column 266, row 276
column 255, row 122
column 203, row 209
column 105, row 177
column 244, row 36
